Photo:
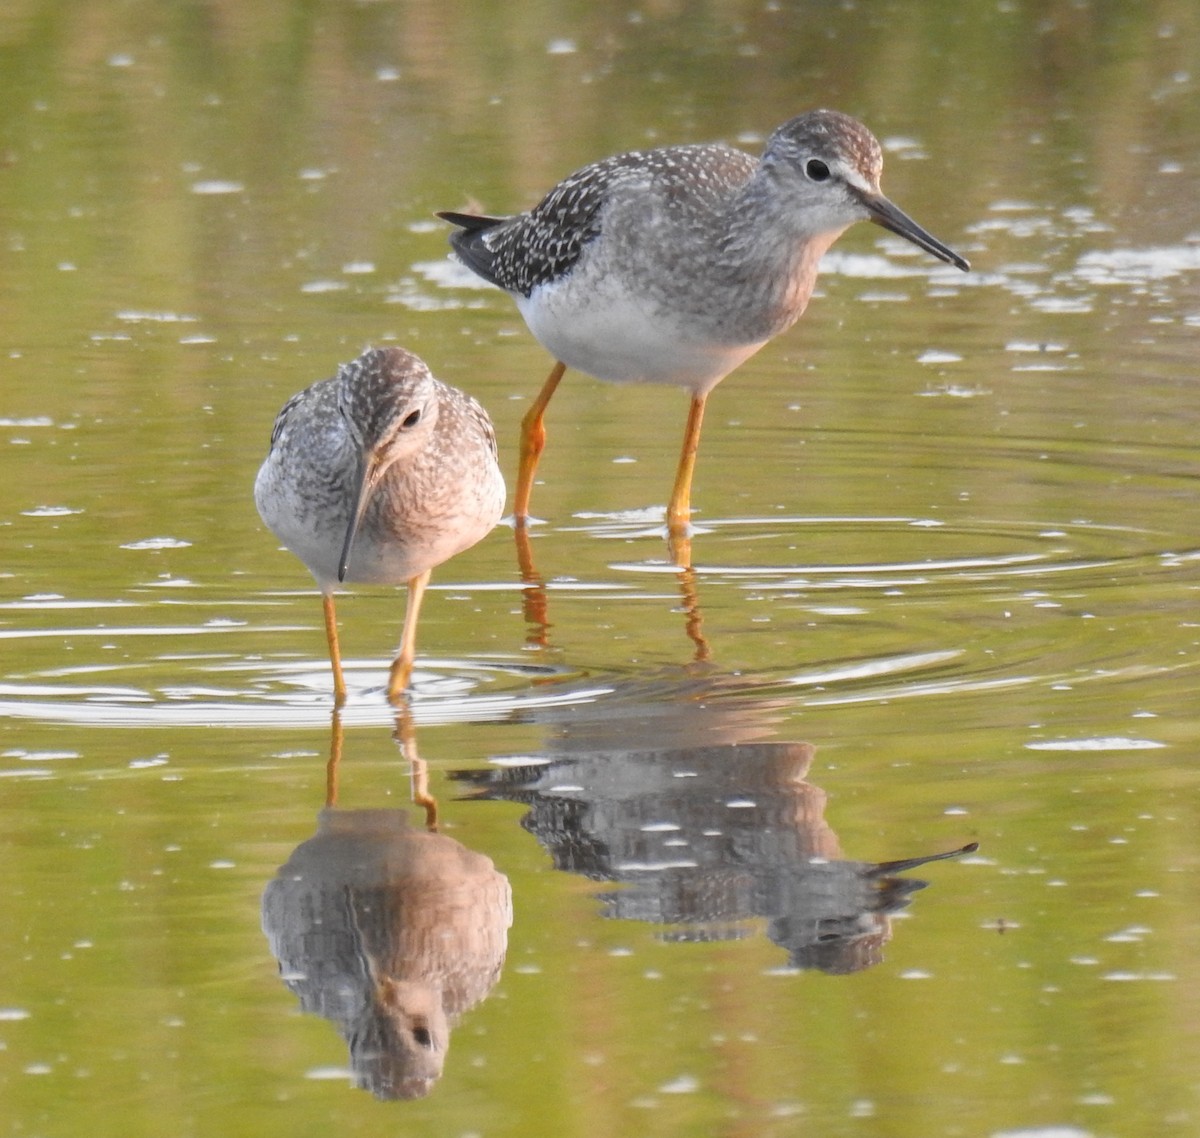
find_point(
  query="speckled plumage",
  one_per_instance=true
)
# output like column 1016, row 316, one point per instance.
column 674, row 265
column 536, row 248
column 710, row 243
column 378, row 475
column 441, row 494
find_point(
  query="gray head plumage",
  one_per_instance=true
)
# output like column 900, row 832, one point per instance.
column 382, row 389
column 828, row 136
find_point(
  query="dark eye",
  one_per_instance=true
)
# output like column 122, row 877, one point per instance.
column 411, row 419
column 816, row 170
column 422, row 1037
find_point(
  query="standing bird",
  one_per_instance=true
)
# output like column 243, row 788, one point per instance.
column 674, row 265
column 378, row 475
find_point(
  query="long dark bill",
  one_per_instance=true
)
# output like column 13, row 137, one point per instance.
column 367, row 479
column 892, row 217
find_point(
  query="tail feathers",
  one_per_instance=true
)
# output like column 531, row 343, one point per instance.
column 471, row 222
column 887, row 867
column 469, row 242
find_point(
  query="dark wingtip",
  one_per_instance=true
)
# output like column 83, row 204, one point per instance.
column 471, row 222
column 886, row 868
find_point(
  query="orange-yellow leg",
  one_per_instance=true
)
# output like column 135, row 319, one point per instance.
column 679, row 509
column 402, row 665
column 533, row 441
column 335, row 655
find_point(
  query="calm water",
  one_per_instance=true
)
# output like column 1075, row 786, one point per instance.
column 946, row 590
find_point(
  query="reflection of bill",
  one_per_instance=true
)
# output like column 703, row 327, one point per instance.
column 704, row 839
column 390, row 931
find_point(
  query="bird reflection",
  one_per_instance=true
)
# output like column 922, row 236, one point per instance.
column 389, row 930
column 704, row 829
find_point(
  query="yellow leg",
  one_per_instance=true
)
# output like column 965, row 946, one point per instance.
column 402, row 666
column 533, row 441
column 335, row 654
column 679, row 510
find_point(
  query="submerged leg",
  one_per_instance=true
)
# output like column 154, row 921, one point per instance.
column 679, row 545
column 533, row 441
column 402, row 666
column 335, row 654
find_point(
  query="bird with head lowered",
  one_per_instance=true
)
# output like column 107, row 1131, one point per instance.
column 379, row 475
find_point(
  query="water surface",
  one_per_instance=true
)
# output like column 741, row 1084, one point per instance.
column 945, row 590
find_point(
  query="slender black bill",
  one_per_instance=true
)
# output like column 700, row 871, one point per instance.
column 892, row 217
column 367, row 478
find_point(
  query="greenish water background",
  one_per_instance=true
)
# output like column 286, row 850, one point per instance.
column 947, row 535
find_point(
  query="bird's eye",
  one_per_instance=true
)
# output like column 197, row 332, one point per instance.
column 816, row 170
column 411, row 419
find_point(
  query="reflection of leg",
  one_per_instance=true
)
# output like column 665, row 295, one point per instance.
column 533, row 440
column 695, row 618
column 679, row 511
column 405, row 734
column 335, row 655
column 335, row 759
column 533, row 592
column 421, row 795
column 402, row 666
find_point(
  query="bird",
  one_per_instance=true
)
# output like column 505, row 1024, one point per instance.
column 377, row 476
column 674, row 265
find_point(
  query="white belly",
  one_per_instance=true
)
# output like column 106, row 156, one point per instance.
column 608, row 334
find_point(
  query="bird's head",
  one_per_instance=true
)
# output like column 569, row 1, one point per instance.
column 388, row 401
column 832, row 165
